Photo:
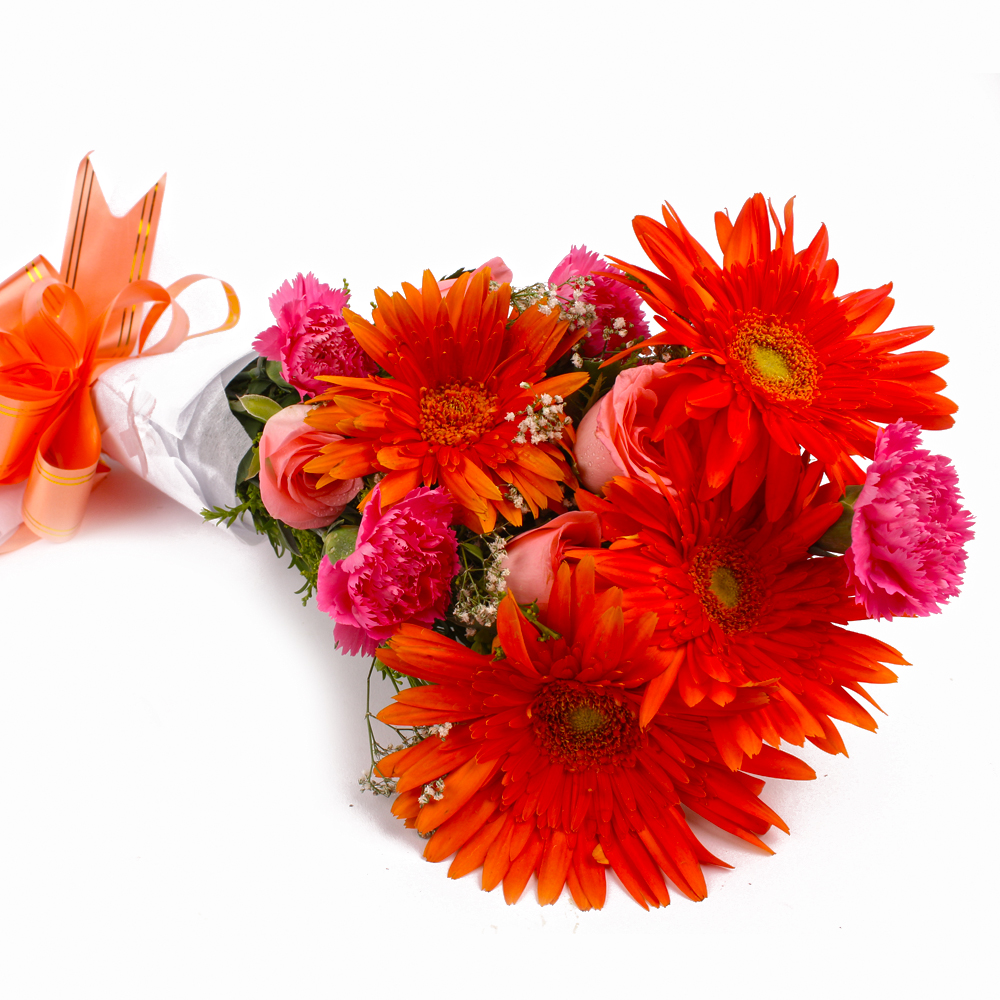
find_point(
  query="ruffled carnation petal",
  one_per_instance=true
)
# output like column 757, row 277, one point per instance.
column 908, row 536
column 400, row 571
column 353, row 641
column 269, row 342
column 311, row 337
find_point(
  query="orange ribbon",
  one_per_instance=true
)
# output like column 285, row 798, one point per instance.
column 59, row 331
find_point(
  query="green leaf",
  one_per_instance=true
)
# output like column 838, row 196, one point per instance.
column 473, row 549
column 273, row 369
column 340, row 543
column 838, row 536
column 254, row 467
column 260, row 407
column 245, row 462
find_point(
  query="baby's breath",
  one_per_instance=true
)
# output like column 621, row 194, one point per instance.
column 523, row 299
column 542, row 420
column 514, row 496
column 479, row 595
column 432, row 792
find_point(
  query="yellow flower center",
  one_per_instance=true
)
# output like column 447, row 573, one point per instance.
column 456, row 414
column 776, row 358
column 728, row 584
column 583, row 728
column 725, row 586
column 586, row 719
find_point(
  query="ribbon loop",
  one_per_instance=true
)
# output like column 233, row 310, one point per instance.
column 53, row 324
column 21, row 425
column 62, row 493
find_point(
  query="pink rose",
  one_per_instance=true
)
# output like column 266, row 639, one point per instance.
column 616, row 317
column 534, row 557
column 400, row 571
column 499, row 272
column 311, row 336
column 617, row 436
column 290, row 494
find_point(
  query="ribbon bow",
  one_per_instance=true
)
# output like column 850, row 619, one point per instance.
column 59, row 331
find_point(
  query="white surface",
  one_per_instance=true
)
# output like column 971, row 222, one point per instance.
column 180, row 743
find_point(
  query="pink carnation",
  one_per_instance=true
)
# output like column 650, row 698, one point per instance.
column 400, row 571
column 907, row 552
column 620, row 318
column 311, row 336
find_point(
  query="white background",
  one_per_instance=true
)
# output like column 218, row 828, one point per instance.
column 180, row 743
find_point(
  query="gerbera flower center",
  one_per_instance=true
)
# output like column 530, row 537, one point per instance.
column 725, row 586
column 456, row 414
column 728, row 585
column 583, row 728
column 776, row 358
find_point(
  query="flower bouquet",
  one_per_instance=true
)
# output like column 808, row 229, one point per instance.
column 609, row 572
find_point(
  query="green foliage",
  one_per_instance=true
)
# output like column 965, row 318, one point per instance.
column 305, row 548
column 260, row 378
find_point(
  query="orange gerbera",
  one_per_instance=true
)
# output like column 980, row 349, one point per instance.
column 466, row 404
column 740, row 601
column 545, row 769
column 778, row 361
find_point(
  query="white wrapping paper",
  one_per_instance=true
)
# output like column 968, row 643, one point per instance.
column 166, row 418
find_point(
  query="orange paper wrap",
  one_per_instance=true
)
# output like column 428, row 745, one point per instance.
column 59, row 331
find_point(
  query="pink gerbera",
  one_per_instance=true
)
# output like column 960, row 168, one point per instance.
column 311, row 337
column 908, row 536
column 614, row 317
